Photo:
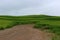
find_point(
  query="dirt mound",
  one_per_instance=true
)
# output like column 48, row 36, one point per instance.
column 24, row 32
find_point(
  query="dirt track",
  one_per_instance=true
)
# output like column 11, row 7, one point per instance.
column 24, row 32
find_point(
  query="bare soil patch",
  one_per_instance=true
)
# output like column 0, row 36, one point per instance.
column 24, row 32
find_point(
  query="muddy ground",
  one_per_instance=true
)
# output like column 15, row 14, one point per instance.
column 24, row 32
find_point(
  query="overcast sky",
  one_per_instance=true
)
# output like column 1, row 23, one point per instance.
column 28, row 7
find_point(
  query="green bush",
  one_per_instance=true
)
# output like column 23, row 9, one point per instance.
column 44, row 26
column 52, row 28
column 2, row 28
column 12, row 24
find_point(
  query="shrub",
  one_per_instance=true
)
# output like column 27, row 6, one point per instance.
column 44, row 26
column 12, row 24
column 2, row 28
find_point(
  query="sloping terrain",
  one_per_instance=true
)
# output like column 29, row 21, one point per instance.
column 24, row 32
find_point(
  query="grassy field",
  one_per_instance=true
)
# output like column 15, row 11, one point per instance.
column 45, row 22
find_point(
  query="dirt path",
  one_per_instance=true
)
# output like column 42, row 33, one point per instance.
column 24, row 32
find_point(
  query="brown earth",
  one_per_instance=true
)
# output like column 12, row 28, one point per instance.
column 24, row 32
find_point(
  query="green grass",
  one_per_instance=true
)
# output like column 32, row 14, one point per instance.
column 4, row 24
column 51, row 23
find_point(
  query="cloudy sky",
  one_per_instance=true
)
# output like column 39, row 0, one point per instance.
column 28, row 7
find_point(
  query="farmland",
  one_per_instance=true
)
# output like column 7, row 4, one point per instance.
column 45, row 22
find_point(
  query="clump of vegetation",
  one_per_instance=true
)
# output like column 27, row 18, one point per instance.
column 2, row 28
column 52, row 28
column 43, row 26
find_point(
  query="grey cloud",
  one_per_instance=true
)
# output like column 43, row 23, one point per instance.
column 28, row 7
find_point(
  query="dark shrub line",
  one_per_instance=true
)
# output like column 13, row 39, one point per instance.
column 52, row 28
